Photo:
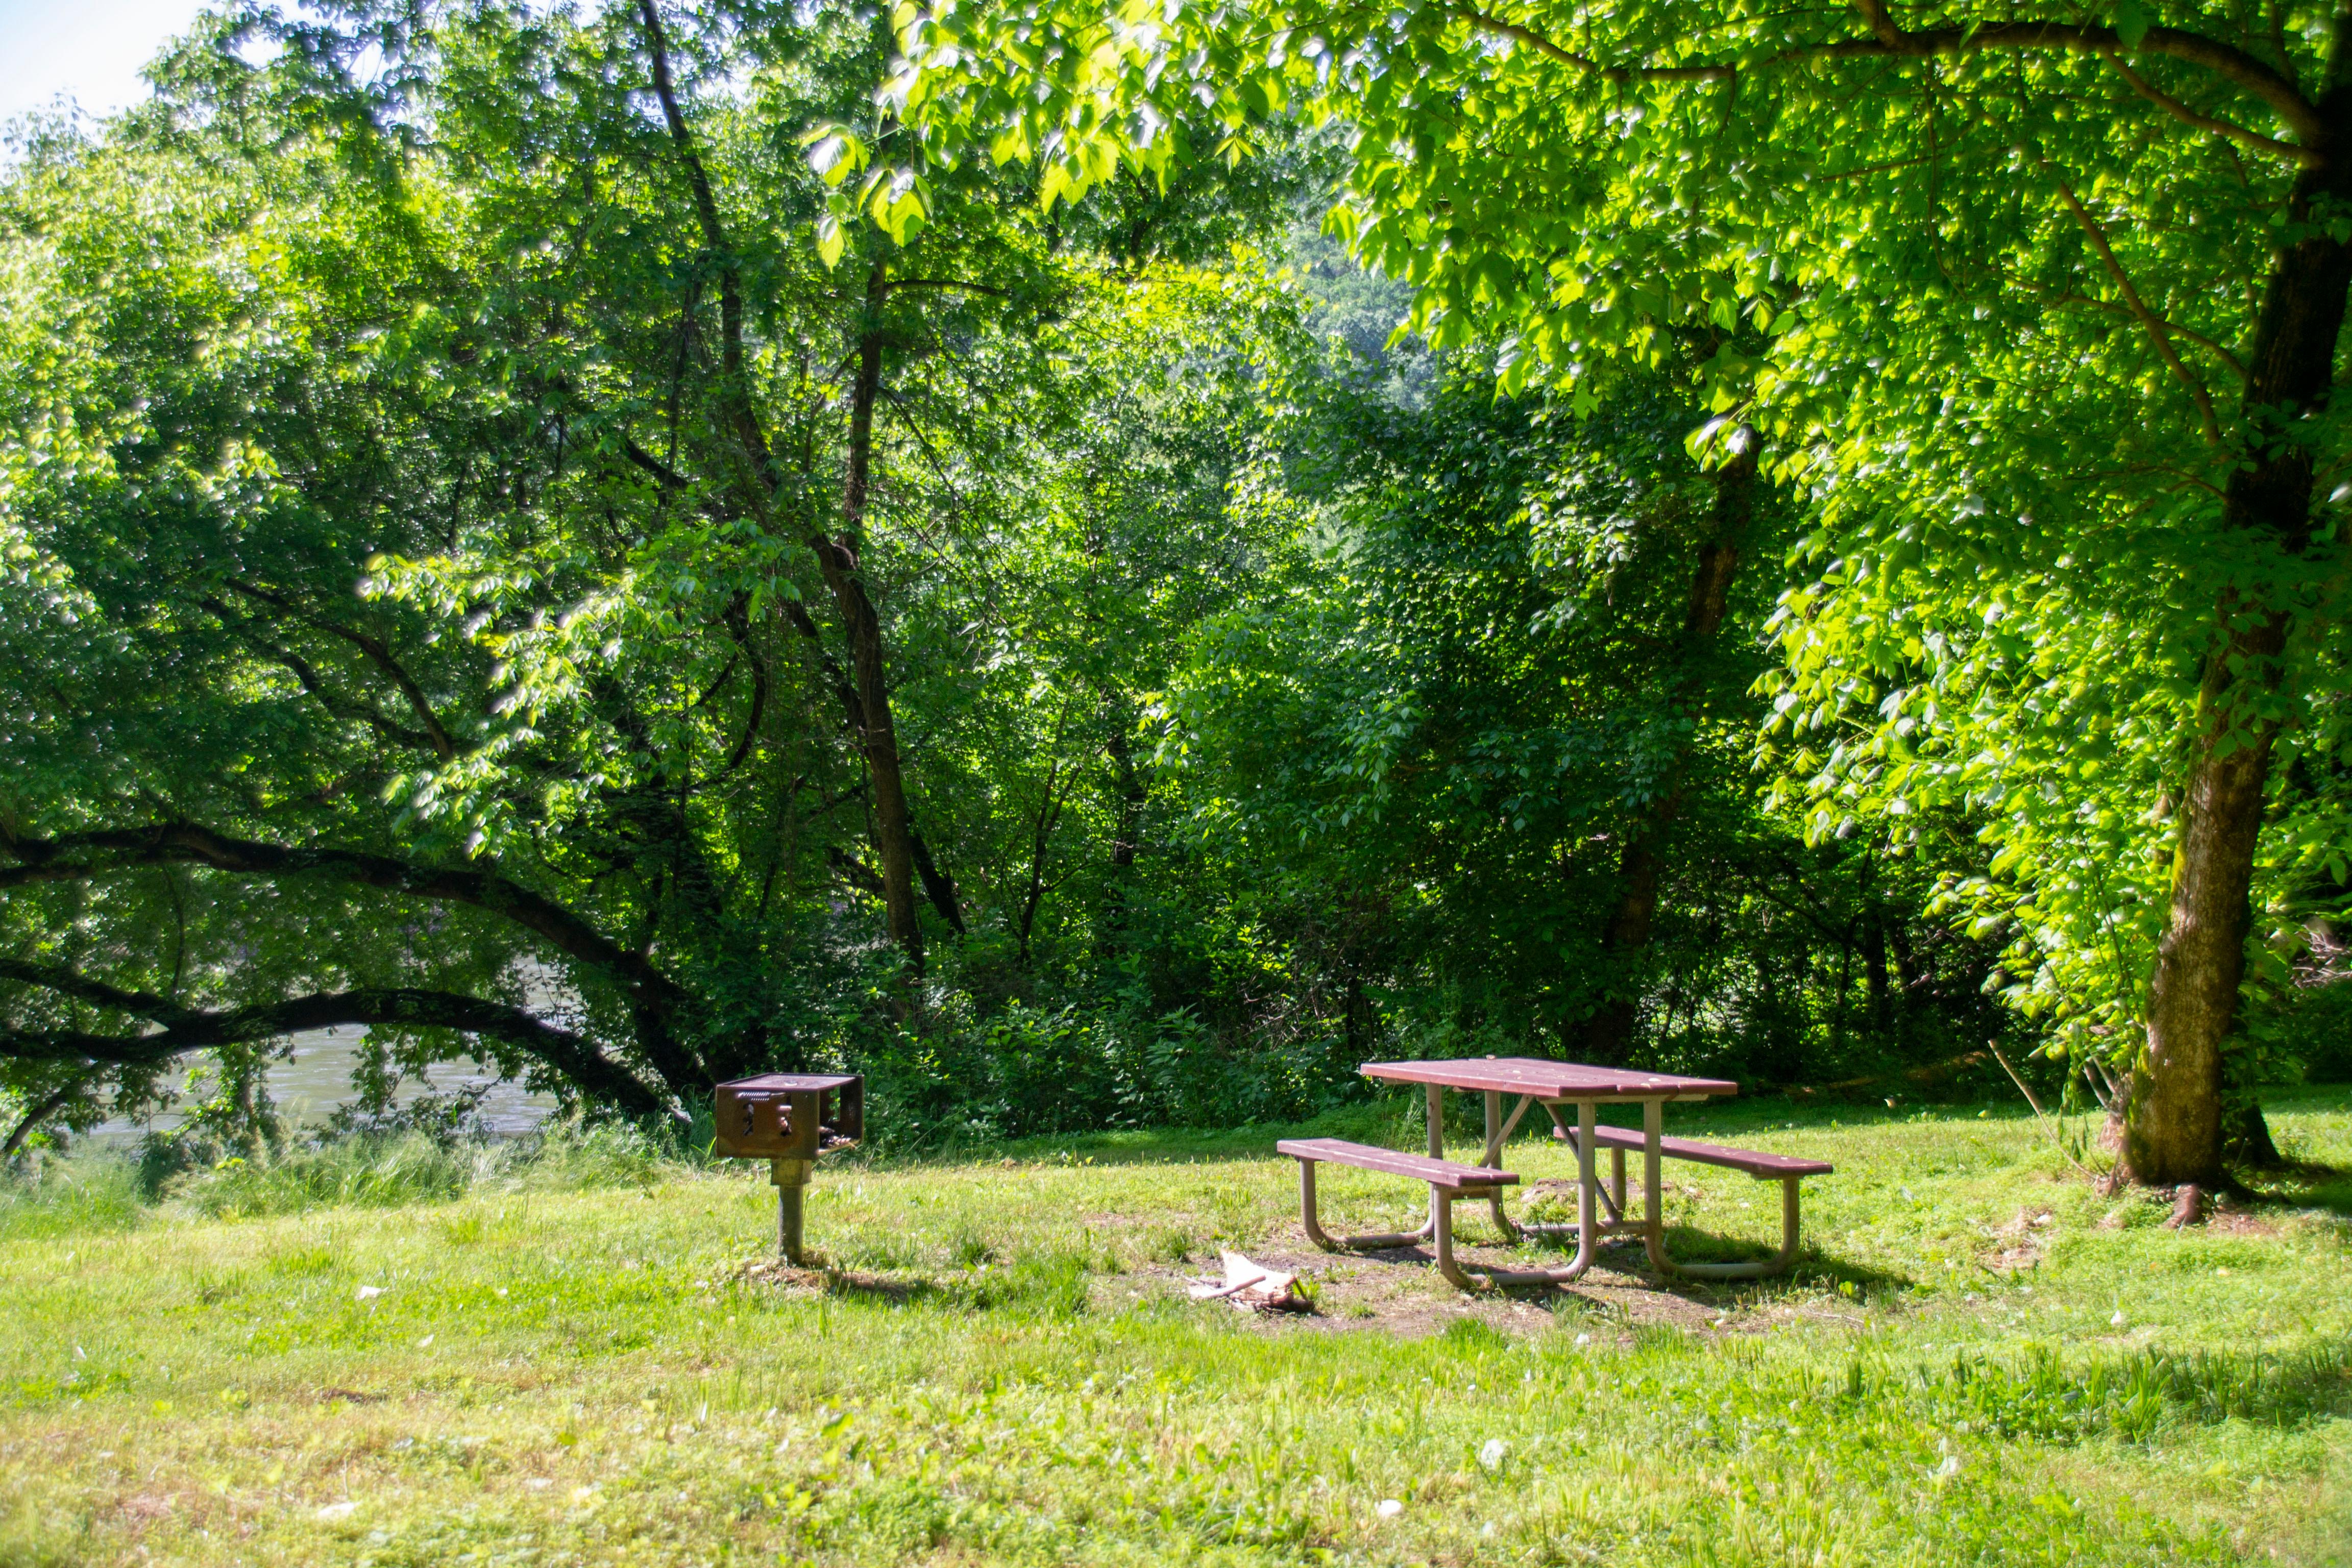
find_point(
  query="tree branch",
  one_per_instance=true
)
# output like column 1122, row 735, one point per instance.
column 737, row 394
column 2149, row 320
column 41, row 1113
column 854, row 871
column 184, row 1030
column 2230, row 362
column 77, row 855
column 738, row 627
column 896, row 284
column 96, row 992
column 376, row 651
column 1616, row 74
column 2307, row 156
column 670, row 478
column 938, row 884
column 2232, row 65
column 337, row 706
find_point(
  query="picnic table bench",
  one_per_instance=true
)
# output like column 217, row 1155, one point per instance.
column 1447, row 1179
column 1788, row 1169
column 1551, row 1085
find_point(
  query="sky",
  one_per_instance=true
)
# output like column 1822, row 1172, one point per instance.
column 89, row 50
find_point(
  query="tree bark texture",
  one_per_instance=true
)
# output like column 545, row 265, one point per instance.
column 1610, row 1035
column 2173, row 1122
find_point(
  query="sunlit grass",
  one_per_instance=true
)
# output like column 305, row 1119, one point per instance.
column 1981, row 1360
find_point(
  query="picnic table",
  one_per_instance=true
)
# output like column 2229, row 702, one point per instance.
column 1533, row 1081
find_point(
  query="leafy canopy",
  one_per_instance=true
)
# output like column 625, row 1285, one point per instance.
column 1985, row 282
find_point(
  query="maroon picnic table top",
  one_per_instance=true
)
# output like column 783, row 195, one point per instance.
column 1548, row 1079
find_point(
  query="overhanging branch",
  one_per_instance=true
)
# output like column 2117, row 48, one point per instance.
column 2231, row 129
column 651, row 995
column 186, row 1029
column 79, row 855
column 1614, row 74
column 2150, row 321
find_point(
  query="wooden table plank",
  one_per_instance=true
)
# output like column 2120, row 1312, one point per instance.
column 1548, row 1079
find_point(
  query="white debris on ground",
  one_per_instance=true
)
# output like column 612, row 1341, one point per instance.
column 1252, row 1287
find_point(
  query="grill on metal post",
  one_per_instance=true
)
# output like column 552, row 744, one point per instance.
column 788, row 1119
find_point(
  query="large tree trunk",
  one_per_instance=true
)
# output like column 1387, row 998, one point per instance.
column 1639, row 864
column 2172, row 1124
column 892, row 829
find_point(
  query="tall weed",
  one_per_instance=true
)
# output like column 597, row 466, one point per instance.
column 102, row 1190
column 95, row 1192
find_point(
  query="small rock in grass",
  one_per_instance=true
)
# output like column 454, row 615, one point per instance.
column 1389, row 1508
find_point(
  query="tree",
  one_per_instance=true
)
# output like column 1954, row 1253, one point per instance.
column 457, row 532
column 1416, row 764
column 1999, row 264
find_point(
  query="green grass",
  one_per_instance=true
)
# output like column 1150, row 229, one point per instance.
column 392, row 1356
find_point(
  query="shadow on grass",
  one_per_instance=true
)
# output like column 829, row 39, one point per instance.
column 1392, row 1121
column 880, row 1289
column 1811, row 1272
column 2303, row 1185
column 1046, row 1285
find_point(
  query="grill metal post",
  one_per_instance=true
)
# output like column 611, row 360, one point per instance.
column 787, row 1120
column 790, row 1177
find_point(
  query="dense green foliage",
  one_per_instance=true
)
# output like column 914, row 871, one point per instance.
column 498, row 550
column 2040, row 315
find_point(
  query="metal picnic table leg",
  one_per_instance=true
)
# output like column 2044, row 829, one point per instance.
column 1654, row 1208
column 1497, row 1129
column 1587, row 1226
column 1437, row 1225
column 1377, row 1240
column 1654, row 1228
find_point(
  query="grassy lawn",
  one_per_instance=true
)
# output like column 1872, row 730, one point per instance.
column 1981, row 1360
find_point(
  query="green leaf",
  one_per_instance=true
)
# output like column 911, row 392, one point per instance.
column 2131, row 23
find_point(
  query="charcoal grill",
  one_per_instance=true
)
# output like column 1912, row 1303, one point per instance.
column 788, row 1119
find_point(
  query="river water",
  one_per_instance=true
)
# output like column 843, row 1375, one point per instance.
column 309, row 1088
